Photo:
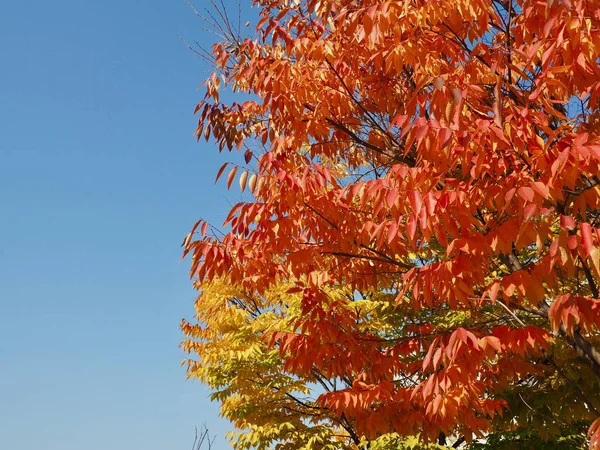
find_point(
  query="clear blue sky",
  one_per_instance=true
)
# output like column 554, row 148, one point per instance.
column 100, row 179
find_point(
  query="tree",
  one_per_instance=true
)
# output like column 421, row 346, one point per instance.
column 439, row 161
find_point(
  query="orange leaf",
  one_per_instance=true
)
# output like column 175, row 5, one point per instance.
column 231, row 177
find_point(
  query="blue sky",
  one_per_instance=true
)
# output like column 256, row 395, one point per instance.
column 100, row 179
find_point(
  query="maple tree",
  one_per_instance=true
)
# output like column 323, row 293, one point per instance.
column 421, row 229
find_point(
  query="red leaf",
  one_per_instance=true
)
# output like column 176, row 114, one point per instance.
column 567, row 222
column 529, row 211
column 494, row 342
column 526, row 193
column 427, row 359
column 437, row 357
column 573, row 242
column 586, row 237
column 541, row 189
column 421, row 132
column 494, row 291
column 220, row 172
column 399, row 120
column 391, row 197
column 415, row 201
column 392, row 231
column 411, row 227
column 594, row 435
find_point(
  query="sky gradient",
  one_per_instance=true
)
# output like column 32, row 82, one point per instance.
column 100, row 180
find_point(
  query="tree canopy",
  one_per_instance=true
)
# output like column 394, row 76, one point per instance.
column 417, row 258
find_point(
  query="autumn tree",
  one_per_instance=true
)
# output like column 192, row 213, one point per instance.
column 438, row 160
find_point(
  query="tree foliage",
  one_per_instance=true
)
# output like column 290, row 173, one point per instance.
column 418, row 251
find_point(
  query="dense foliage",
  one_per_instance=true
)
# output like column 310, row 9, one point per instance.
column 418, row 255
